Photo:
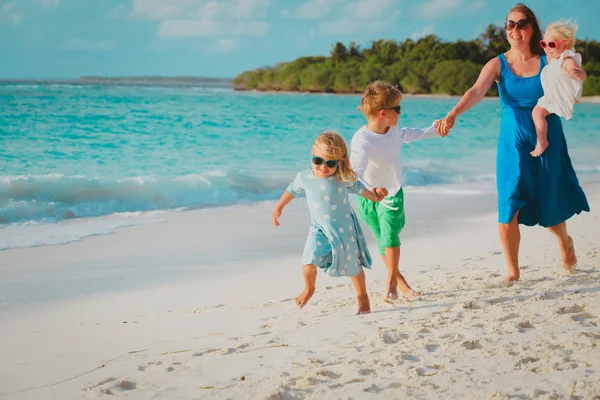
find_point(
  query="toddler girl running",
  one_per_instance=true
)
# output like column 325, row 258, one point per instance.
column 335, row 242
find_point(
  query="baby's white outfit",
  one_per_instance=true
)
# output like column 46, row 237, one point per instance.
column 561, row 91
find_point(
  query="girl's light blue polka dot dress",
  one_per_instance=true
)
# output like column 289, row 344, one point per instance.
column 335, row 243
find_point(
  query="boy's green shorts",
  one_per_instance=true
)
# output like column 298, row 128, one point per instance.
column 385, row 218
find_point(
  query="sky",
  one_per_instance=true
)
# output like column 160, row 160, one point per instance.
column 222, row 38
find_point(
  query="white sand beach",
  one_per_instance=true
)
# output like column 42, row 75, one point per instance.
column 200, row 307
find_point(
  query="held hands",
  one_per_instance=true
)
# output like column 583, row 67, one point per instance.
column 444, row 125
column 380, row 193
column 275, row 217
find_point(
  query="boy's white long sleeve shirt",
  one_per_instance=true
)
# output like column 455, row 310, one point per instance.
column 375, row 157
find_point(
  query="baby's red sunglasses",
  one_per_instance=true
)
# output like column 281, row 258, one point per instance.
column 551, row 44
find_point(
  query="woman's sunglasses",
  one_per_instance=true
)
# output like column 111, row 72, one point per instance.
column 509, row 25
column 552, row 45
column 329, row 163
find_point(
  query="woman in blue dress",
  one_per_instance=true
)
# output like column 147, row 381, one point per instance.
column 543, row 190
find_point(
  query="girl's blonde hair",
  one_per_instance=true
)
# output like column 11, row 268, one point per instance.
column 334, row 147
column 378, row 96
column 564, row 30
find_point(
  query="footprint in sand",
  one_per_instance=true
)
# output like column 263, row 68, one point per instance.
column 428, row 370
column 472, row 345
column 548, row 296
column 409, row 357
column 523, row 326
column 392, row 336
column 328, row 374
column 582, row 317
column 509, row 316
column 111, row 385
column 574, row 309
column 431, row 347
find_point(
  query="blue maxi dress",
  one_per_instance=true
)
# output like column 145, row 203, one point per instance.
column 544, row 189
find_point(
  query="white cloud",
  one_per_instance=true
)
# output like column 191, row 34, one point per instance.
column 199, row 9
column 224, row 45
column 50, row 3
column 207, row 28
column 314, row 9
column 118, row 12
column 9, row 13
column 79, row 44
column 348, row 25
column 286, row 13
column 17, row 18
column 427, row 30
column 160, row 9
column 447, row 8
column 246, row 9
column 205, row 18
column 369, row 9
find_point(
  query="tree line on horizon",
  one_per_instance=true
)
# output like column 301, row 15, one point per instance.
column 426, row 65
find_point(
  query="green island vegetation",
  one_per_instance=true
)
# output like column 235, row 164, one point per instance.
column 427, row 65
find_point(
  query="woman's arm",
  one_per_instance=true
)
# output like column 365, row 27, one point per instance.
column 489, row 73
column 573, row 69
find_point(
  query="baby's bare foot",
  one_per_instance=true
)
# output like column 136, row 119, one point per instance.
column 540, row 147
column 304, row 297
column 569, row 258
column 364, row 306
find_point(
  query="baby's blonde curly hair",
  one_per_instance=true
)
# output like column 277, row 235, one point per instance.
column 379, row 95
column 564, row 30
column 334, row 147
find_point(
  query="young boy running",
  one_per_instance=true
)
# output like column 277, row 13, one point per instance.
column 375, row 157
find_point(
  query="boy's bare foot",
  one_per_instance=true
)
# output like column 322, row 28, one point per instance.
column 569, row 258
column 540, row 147
column 391, row 297
column 304, row 297
column 364, row 306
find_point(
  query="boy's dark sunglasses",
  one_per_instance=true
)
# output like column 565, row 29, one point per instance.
column 397, row 109
column 329, row 163
column 509, row 25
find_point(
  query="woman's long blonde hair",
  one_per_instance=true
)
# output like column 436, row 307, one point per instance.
column 334, row 146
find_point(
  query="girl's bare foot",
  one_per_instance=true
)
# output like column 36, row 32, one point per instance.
column 364, row 306
column 569, row 258
column 304, row 297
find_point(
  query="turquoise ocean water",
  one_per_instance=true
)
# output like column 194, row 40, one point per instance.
column 79, row 160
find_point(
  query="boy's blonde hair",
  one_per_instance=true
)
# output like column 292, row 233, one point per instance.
column 564, row 30
column 378, row 96
column 334, row 147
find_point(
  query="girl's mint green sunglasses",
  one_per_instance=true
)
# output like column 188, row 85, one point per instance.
column 329, row 163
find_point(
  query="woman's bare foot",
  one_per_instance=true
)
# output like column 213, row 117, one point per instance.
column 364, row 306
column 304, row 297
column 569, row 258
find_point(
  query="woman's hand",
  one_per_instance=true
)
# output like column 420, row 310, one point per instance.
column 446, row 124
